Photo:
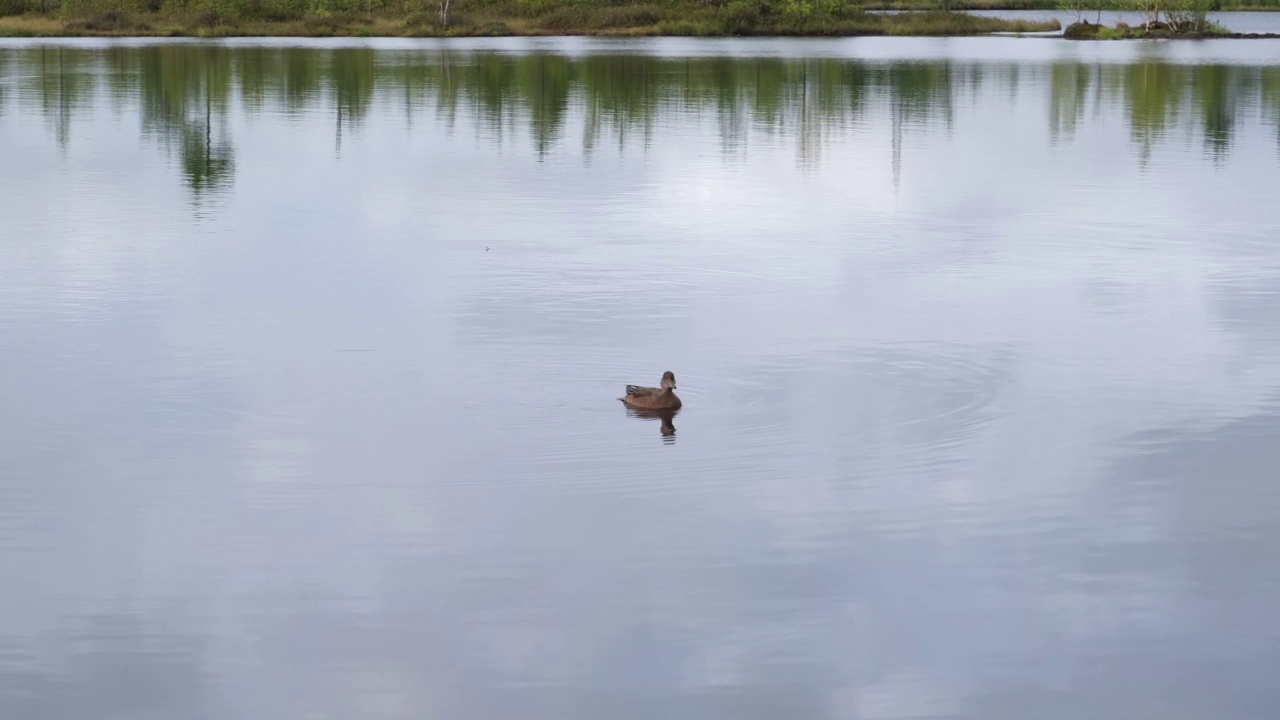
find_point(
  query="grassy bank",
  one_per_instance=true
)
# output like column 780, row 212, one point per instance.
column 442, row 18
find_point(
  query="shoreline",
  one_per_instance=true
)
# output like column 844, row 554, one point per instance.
column 624, row 21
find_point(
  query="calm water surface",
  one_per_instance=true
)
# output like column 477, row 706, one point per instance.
column 311, row 355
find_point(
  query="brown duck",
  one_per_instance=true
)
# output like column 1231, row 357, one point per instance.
column 647, row 398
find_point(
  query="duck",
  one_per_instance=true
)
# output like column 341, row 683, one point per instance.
column 659, row 398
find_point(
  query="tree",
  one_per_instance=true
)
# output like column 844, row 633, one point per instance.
column 1075, row 7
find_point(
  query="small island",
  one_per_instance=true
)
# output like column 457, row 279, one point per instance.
column 1085, row 30
column 1162, row 19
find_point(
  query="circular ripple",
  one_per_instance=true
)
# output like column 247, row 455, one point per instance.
column 918, row 398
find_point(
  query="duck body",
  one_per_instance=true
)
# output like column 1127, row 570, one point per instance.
column 650, row 398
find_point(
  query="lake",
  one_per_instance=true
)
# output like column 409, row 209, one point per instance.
column 312, row 353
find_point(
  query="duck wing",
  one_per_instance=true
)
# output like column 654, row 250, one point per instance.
column 638, row 391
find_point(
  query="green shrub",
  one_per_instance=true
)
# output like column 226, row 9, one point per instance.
column 418, row 18
column 742, row 16
column 563, row 19
column 534, row 8
column 13, row 7
column 628, row 16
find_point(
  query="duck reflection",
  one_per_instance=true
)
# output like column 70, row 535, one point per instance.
column 665, row 417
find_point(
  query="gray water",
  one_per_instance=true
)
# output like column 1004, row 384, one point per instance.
column 311, row 356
